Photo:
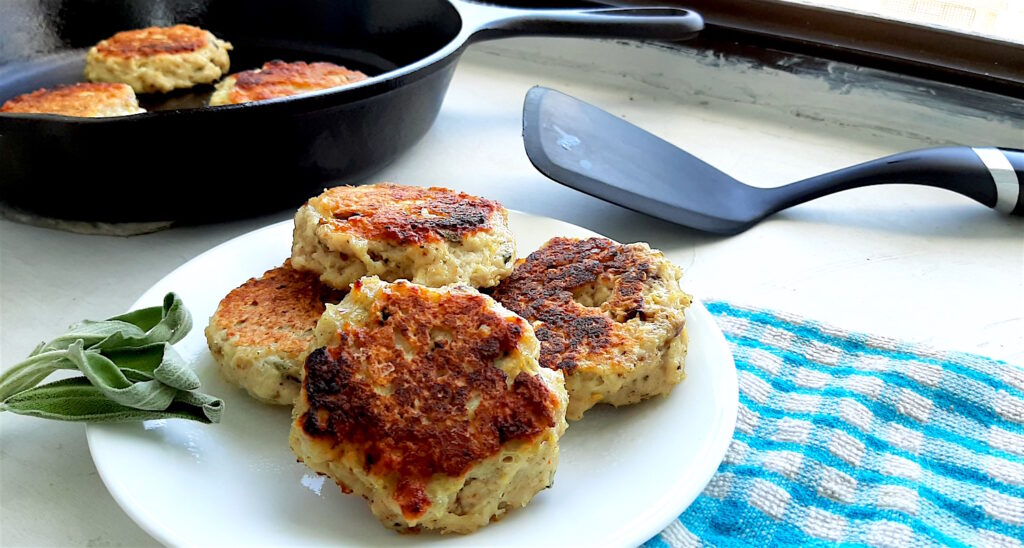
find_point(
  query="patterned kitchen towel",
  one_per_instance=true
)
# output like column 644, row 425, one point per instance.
column 856, row 439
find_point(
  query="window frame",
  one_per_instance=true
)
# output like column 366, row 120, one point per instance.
column 934, row 53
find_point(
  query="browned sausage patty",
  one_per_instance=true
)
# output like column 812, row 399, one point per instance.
column 432, row 236
column 421, row 393
column 609, row 316
column 280, row 79
column 84, row 100
column 262, row 330
column 159, row 59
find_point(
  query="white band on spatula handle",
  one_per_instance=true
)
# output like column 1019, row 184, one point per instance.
column 1007, row 185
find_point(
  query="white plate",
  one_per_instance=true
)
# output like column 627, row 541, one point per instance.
column 624, row 474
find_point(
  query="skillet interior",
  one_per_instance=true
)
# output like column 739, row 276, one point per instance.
column 208, row 164
column 45, row 41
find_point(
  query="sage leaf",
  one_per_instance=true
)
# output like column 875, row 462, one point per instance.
column 92, row 333
column 212, row 406
column 24, row 380
column 76, row 399
column 143, row 318
column 39, row 348
column 131, row 372
column 104, row 375
column 173, row 324
column 156, row 361
column 32, row 371
column 167, row 323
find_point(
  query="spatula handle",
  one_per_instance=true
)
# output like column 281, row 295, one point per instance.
column 992, row 176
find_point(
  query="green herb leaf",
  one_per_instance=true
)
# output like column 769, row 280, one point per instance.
column 131, row 371
column 172, row 324
column 76, row 399
column 32, row 371
column 168, row 323
column 212, row 407
column 143, row 318
column 92, row 333
column 104, row 374
column 156, row 361
column 39, row 348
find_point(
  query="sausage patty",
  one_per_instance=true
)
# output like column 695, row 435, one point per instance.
column 280, row 79
column 430, row 404
column 262, row 331
column 84, row 100
column 159, row 59
column 611, row 317
column 431, row 236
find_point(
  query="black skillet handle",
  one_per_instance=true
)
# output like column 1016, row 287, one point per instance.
column 992, row 176
column 490, row 22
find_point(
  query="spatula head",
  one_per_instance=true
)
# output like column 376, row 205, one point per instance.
column 593, row 151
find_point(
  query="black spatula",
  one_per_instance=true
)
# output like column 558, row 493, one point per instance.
column 586, row 148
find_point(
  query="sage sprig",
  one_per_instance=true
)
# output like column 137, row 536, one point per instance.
column 130, row 372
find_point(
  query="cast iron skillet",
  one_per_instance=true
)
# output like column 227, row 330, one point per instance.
column 183, row 163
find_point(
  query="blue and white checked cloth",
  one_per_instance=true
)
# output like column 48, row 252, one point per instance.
column 857, row 439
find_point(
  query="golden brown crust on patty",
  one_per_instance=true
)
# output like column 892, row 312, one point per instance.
column 280, row 79
column 416, row 389
column 278, row 310
column 84, row 100
column 611, row 317
column 405, row 215
column 154, row 41
column 542, row 288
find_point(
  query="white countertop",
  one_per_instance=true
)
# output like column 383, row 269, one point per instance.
column 918, row 264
